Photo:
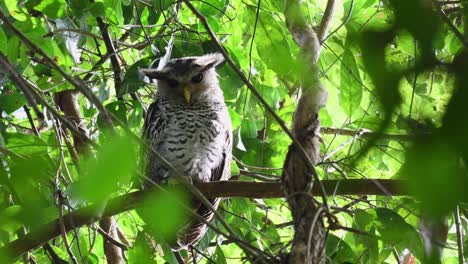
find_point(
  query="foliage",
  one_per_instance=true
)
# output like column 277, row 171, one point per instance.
column 394, row 67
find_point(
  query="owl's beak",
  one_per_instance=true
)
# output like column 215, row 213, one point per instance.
column 187, row 95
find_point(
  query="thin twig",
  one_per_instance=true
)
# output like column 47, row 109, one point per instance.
column 365, row 133
column 460, row 241
column 64, row 231
column 110, row 238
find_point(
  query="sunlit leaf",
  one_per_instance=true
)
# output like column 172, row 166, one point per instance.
column 52, row 8
column 350, row 85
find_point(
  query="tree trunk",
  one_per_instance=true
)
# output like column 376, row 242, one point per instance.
column 299, row 174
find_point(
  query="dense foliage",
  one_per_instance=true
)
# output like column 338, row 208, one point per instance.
column 399, row 69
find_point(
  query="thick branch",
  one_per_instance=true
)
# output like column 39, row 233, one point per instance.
column 90, row 214
column 299, row 176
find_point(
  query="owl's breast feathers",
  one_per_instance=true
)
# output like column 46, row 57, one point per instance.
column 196, row 139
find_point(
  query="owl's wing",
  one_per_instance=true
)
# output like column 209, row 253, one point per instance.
column 151, row 120
column 223, row 170
column 151, row 129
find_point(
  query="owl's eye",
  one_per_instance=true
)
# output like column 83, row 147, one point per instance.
column 172, row 82
column 197, row 78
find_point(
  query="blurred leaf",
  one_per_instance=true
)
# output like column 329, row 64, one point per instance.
column 164, row 213
column 97, row 9
column 110, row 170
column 140, row 252
column 425, row 164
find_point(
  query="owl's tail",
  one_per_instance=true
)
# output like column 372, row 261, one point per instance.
column 195, row 230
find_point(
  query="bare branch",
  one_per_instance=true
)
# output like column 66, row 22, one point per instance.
column 364, row 133
column 460, row 241
column 326, row 20
column 111, row 54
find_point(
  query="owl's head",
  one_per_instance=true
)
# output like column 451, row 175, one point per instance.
column 187, row 78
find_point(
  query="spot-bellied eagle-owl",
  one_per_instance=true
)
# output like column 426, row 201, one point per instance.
column 189, row 125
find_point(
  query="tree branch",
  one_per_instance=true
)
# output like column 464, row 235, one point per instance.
column 326, row 20
column 364, row 133
column 111, row 54
column 114, row 254
column 299, row 175
column 90, row 214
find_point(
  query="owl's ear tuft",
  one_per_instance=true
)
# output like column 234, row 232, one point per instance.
column 211, row 60
column 152, row 73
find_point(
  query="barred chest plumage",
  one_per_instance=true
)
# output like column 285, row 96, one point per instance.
column 191, row 138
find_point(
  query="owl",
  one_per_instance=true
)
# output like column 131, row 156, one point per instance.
column 189, row 125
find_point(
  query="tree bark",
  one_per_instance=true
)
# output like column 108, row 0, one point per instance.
column 299, row 176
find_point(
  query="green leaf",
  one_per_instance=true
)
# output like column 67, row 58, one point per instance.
column 132, row 81
column 165, row 213
column 9, row 221
column 350, row 82
column 140, row 252
column 367, row 245
column 219, row 256
column 25, row 144
column 113, row 166
column 15, row 11
column 339, row 251
column 271, row 44
column 52, row 8
column 11, row 102
column 12, row 50
column 3, row 39
column 97, row 9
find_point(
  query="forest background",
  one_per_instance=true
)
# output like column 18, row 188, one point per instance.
column 393, row 144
